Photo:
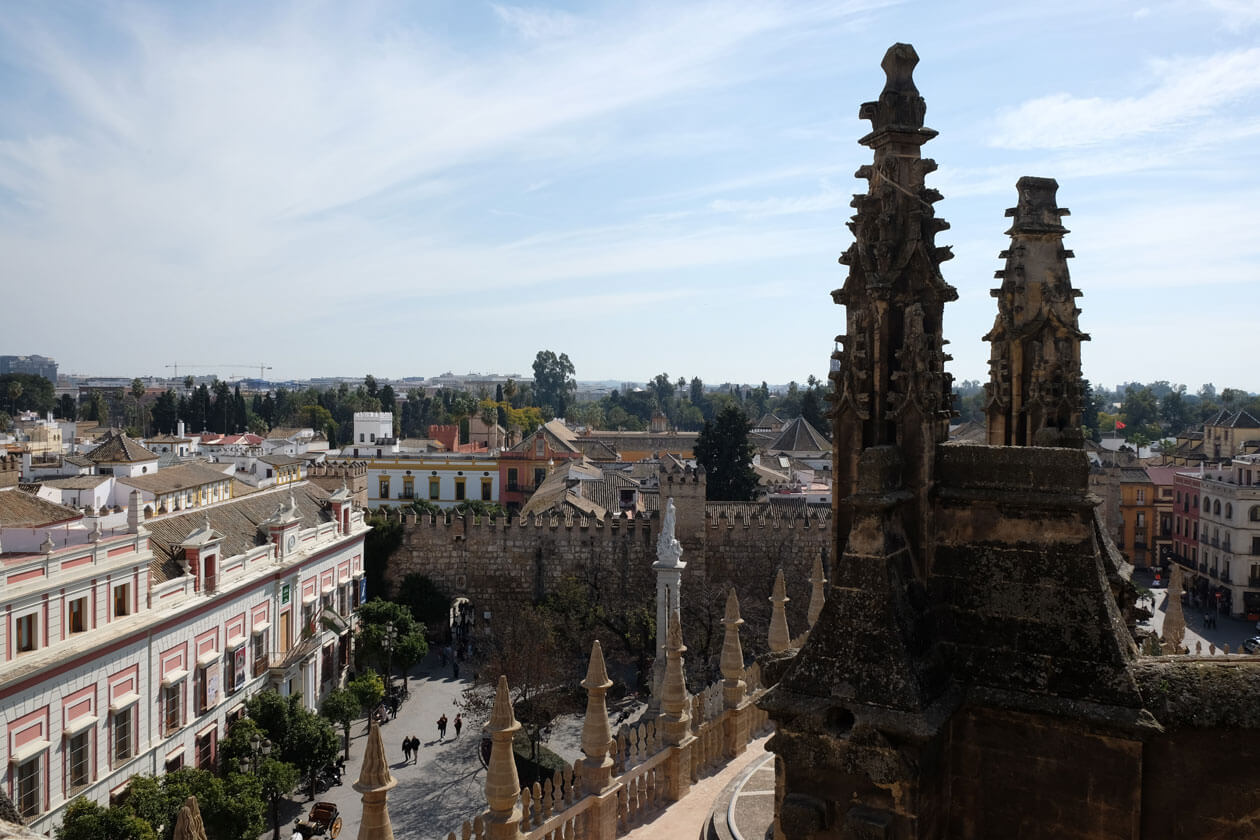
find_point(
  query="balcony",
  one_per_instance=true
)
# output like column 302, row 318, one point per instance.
column 513, row 486
column 1254, row 580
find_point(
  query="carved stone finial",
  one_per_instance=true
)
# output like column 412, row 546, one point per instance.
column 674, row 705
column 188, row 825
column 732, row 661
column 1174, row 618
column 780, row 638
column 816, row 596
column 503, row 786
column 47, row 546
column 375, row 782
column 596, row 767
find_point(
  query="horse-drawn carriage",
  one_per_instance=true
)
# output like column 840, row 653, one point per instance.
column 323, row 820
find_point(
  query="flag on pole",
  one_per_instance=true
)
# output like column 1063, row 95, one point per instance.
column 1119, row 425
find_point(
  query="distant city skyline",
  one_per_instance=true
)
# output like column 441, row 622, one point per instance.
column 648, row 187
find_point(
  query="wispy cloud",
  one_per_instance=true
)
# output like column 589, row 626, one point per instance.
column 1185, row 90
column 535, row 23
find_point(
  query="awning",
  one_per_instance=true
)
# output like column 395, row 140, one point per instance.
column 334, row 622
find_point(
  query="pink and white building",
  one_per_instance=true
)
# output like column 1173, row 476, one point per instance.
column 130, row 652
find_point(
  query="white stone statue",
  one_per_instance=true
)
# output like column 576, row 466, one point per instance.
column 667, row 545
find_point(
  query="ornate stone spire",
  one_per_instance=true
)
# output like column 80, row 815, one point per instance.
column 780, row 638
column 1034, row 392
column 890, row 384
column 503, row 786
column 596, row 767
column 1174, row 618
column 675, row 717
column 816, row 595
column 375, row 783
column 732, row 662
column 669, row 567
column 188, row 824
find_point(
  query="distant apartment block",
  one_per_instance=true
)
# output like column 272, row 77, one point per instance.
column 36, row 365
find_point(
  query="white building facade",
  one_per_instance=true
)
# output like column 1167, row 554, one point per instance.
column 130, row 654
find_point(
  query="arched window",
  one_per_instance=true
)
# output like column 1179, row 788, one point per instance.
column 1207, row 505
column 1216, row 507
column 1254, row 515
column 1229, row 511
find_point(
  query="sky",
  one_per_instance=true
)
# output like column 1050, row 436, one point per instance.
column 406, row 188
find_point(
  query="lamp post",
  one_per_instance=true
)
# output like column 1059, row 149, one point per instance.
column 259, row 750
column 391, row 636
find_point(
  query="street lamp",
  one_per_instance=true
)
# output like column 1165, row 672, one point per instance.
column 391, row 636
column 259, row 750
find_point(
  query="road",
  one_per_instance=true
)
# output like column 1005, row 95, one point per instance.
column 434, row 795
column 1228, row 631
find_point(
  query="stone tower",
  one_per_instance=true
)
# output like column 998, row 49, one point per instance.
column 889, row 380
column 1034, row 391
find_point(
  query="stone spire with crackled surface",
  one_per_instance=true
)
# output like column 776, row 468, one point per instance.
column 375, row 783
column 1034, row 395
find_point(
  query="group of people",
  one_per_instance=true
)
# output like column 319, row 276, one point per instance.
column 442, row 722
column 411, row 749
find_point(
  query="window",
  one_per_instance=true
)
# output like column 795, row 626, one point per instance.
column 486, row 489
column 1254, row 513
column 1141, row 519
column 539, row 447
column 1141, row 496
column 122, row 600
column 435, row 488
column 1216, row 507
column 384, row 494
column 175, row 762
column 205, row 750
column 201, row 681
column 79, row 761
column 409, row 487
column 513, row 479
column 1229, row 511
column 260, row 652
column 172, row 708
column 308, row 620
column 29, row 799
column 1207, row 505
column 76, row 615
column 539, row 474
column 27, row 633
column 361, row 437
column 122, row 739
column 459, row 489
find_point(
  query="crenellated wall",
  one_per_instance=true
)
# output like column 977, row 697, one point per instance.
column 740, row 544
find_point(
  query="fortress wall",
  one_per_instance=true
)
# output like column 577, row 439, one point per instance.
column 529, row 557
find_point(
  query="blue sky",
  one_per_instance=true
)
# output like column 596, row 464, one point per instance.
column 409, row 188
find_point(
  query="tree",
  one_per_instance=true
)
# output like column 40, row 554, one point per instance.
column 15, row 391
column 85, row 820
column 1173, row 410
column 67, row 408
column 409, row 645
column 1139, row 408
column 662, row 390
column 231, row 807
column 341, row 706
column 299, row 736
column 813, row 414
column 277, row 778
column 166, row 412
column 368, row 690
column 554, row 384
column 427, row 602
column 722, row 448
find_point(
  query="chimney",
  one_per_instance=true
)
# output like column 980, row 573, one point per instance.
column 179, row 429
column 133, row 513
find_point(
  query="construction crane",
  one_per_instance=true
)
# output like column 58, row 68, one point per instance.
column 262, row 368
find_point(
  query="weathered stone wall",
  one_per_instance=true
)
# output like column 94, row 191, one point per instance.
column 1039, row 777
column 486, row 559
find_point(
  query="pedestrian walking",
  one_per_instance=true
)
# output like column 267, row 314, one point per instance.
column 442, row 727
column 406, row 748
column 454, row 669
column 415, row 749
column 459, row 724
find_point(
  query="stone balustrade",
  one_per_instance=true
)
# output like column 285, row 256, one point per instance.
column 626, row 779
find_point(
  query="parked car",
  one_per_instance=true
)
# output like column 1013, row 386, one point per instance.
column 1252, row 645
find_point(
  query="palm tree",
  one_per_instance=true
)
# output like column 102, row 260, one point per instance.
column 15, row 391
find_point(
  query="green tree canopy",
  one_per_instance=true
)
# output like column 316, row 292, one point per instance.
column 85, row 820
column 554, row 384
column 409, row 645
column 341, row 706
column 724, row 451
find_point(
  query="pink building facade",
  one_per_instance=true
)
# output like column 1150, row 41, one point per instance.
column 131, row 653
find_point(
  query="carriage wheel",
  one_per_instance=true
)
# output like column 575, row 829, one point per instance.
column 335, row 829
